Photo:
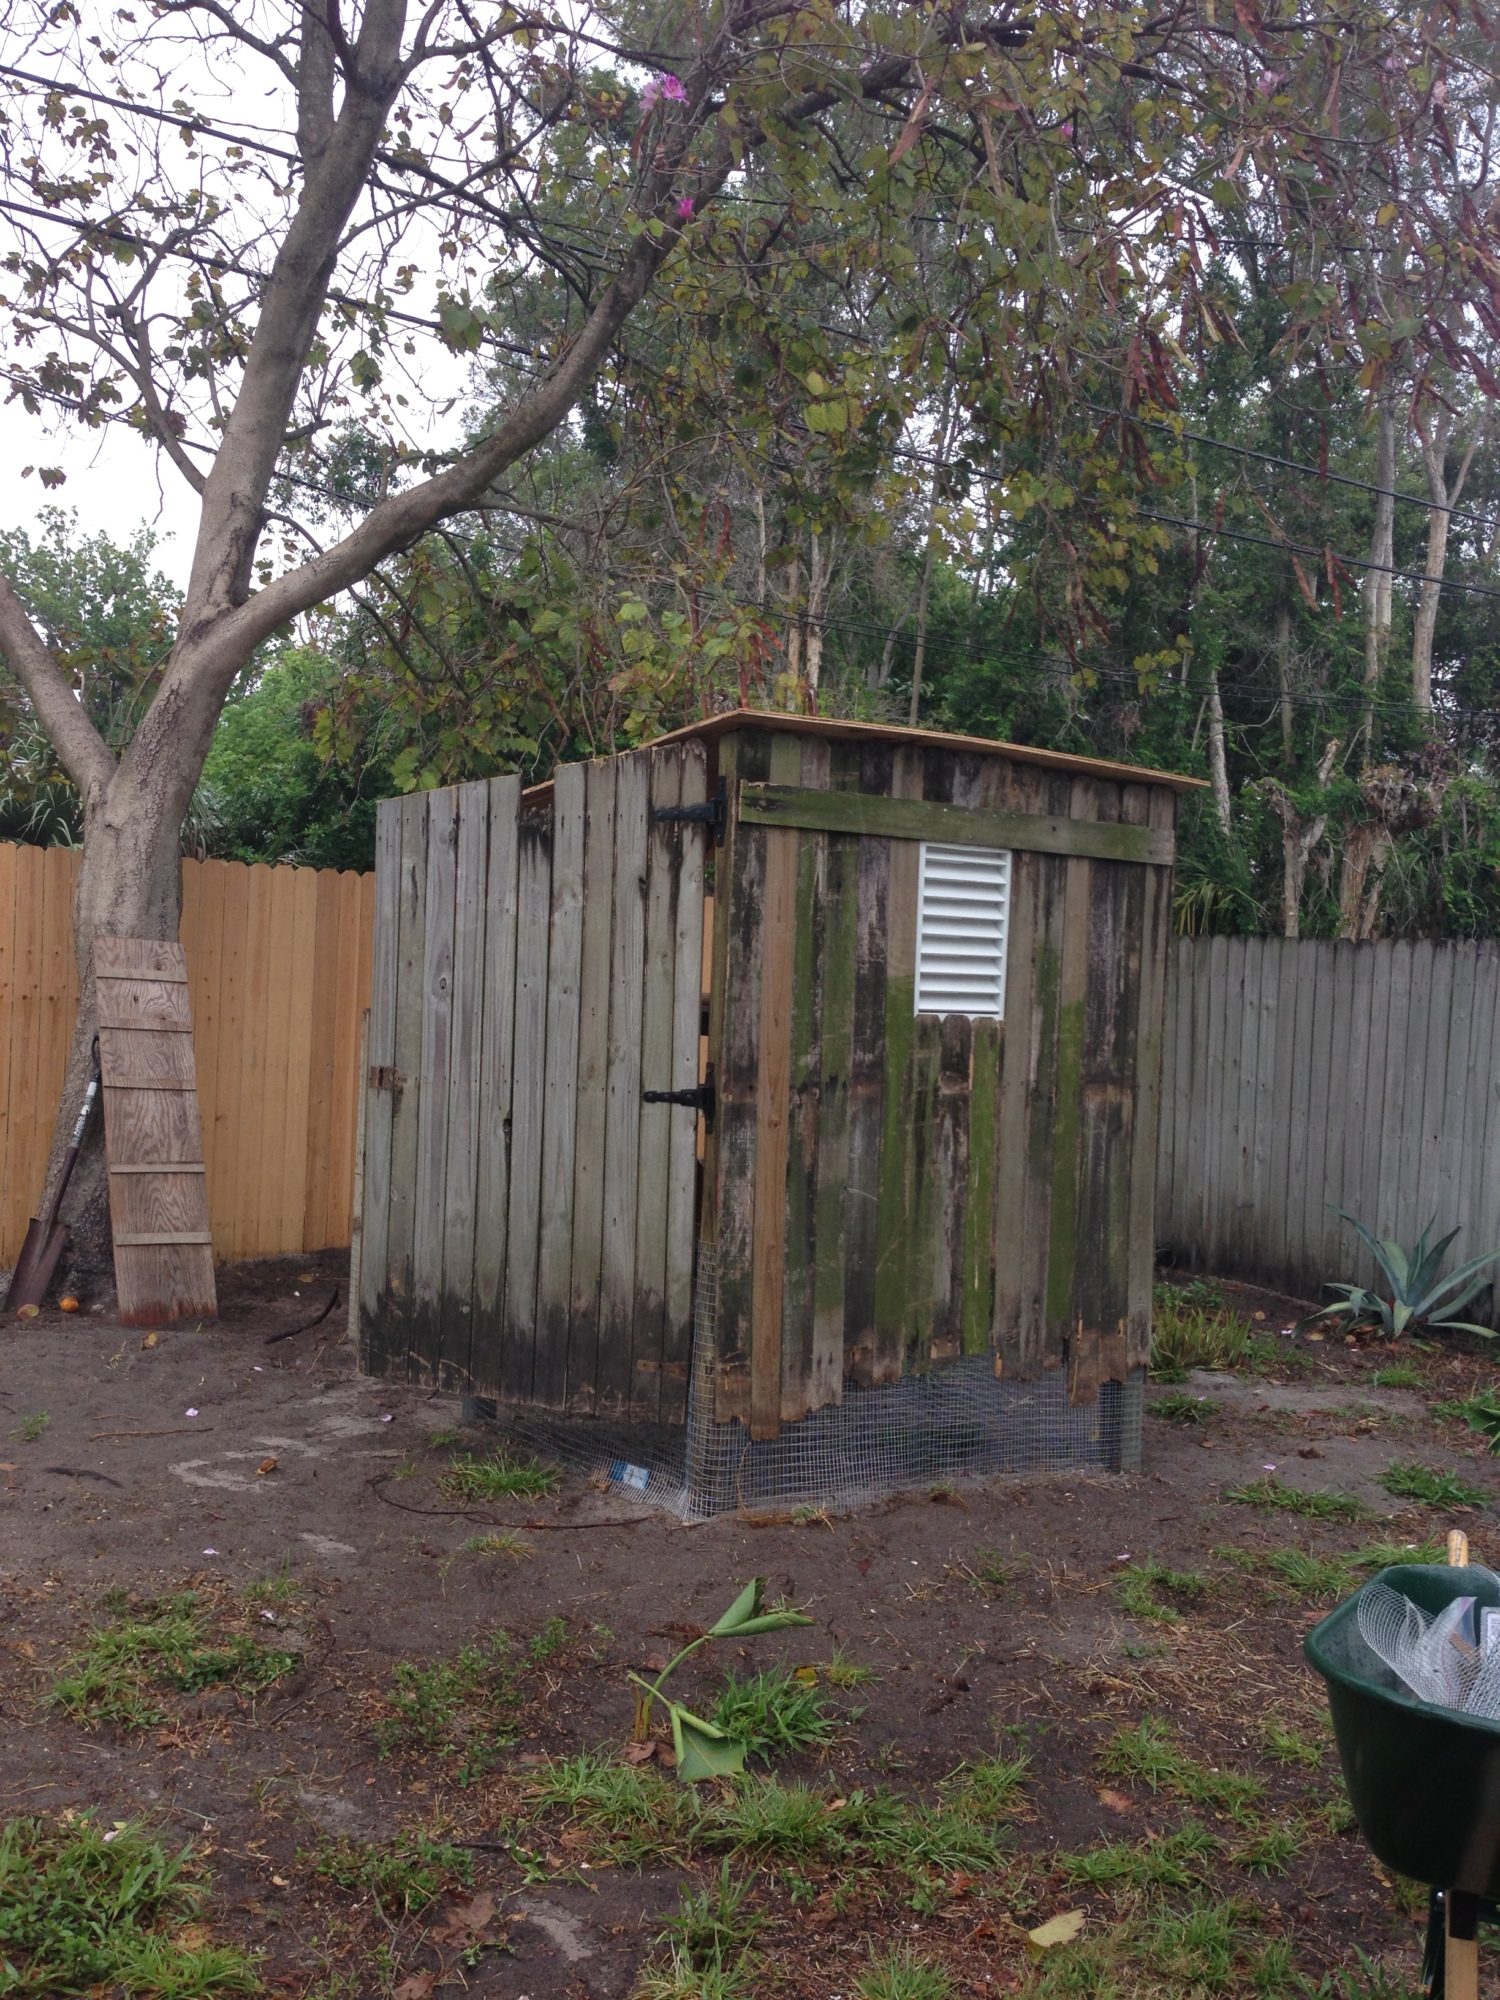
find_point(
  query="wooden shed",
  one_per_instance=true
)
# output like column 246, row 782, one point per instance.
column 866, row 1021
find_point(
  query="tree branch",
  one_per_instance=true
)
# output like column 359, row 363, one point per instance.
column 80, row 748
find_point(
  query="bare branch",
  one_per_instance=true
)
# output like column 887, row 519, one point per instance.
column 80, row 748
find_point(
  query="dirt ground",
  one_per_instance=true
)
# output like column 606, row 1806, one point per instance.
column 302, row 1504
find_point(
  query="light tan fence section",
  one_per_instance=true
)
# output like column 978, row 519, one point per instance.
column 279, row 970
column 1302, row 1078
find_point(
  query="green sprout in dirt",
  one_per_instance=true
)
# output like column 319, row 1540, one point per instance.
column 705, row 1749
column 163, row 1645
column 1276, row 1496
column 29, row 1429
column 1152, row 1591
column 497, row 1474
column 88, row 1910
column 1481, row 1412
column 1180, row 1408
column 1417, row 1296
column 1405, row 1479
column 461, row 1707
column 1400, row 1375
column 1147, row 1755
column 903, row 1976
column 401, row 1879
column 774, row 1714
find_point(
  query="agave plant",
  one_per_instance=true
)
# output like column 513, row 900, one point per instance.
column 1418, row 1296
column 703, row 1749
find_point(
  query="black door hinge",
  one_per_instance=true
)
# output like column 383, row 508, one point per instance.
column 699, row 1098
column 710, row 813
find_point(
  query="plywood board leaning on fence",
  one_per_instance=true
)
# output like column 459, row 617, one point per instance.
column 153, row 1140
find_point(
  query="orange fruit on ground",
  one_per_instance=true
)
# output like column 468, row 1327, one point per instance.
column 68, row 1303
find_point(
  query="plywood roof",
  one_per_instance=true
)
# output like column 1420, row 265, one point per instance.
column 712, row 727
column 715, row 726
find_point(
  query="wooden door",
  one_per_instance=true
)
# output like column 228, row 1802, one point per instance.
column 890, row 1190
column 529, row 1219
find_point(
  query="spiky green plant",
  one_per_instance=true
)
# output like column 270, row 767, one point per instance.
column 1418, row 1296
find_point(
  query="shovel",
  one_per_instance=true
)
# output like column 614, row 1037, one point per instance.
column 46, row 1237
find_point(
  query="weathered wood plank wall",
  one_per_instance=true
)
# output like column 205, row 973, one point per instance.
column 1304, row 1077
column 528, row 1220
column 279, row 970
column 888, row 1190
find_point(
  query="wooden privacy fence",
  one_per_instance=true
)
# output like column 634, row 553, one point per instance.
column 279, row 972
column 1304, row 1077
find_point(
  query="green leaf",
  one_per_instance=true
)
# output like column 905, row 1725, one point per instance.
column 703, row 1749
column 746, row 1605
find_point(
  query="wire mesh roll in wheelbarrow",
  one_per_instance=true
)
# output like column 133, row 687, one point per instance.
column 1424, row 1781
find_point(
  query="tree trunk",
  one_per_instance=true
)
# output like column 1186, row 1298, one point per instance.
column 1377, row 591
column 929, row 553
column 1284, row 679
column 130, row 885
column 1218, row 760
column 1434, row 443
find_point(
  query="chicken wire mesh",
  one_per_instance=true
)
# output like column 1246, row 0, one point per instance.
column 958, row 1421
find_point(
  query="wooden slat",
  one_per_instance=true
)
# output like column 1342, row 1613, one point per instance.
column 658, row 972
column 560, row 1133
column 291, row 1183
column 380, row 1049
column 1029, row 985
column 326, row 1059
column 773, row 1069
column 148, row 1057
column 911, row 817
column 682, row 1167
column 624, row 1082
column 835, row 933
column 465, row 1104
column 798, row 1391
column 734, row 1037
column 895, row 1044
column 528, row 1106
column 406, row 1060
column 424, row 1340
column 497, row 1073
column 1150, row 1059
column 592, row 1085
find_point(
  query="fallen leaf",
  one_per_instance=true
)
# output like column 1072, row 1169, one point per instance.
column 150, row 1339
column 654, row 1663
column 808, row 1676
column 416, row 1986
column 266, row 1465
column 281, row 1882
column 1056, row 1931
column 464, row 1923
column 192, row 1937
column 27, row 1312
column 639, row 1753
column 306, row 1277
column 1115, row 1801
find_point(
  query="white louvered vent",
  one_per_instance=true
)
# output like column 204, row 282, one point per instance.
column 963, row 923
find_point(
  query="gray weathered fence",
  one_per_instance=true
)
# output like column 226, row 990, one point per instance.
column 1304, row 1077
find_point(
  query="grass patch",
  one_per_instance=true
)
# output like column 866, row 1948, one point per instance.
column 500, row 1542
column 1286, row 1745
column 715, row 1922
column 464, row 1707
column 903, row 1976
column 1399, row 1375
column 1150, row 1590
column 1406, row 1479
column 991, row 1788
column 773, row 1714
column 840, row 1672
column 29, row 1429
column 990, row 1571
column 1182, row 1409
column 498, row 1473
column 84, row 1910
column 1271, row 1849
column 1481, row 1412
column 280, row 1587
column 1147, row 1755
column 1188, row 1333
column 1178, row 1860
column 684, row 1978
column 1383, row 1555
column 401, row 1879
column 1309, row 1575
column 636, row 1812
column 1277, row 1497
column 165, row 1645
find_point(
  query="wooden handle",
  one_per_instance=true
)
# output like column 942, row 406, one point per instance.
column 1458, row 1548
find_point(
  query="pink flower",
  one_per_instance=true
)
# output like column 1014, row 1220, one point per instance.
column 668, row 88
column 1269, row 80
column 1066, row 128
column 685, row 209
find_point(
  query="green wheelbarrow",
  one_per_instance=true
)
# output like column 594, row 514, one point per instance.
column 1424, row 1781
